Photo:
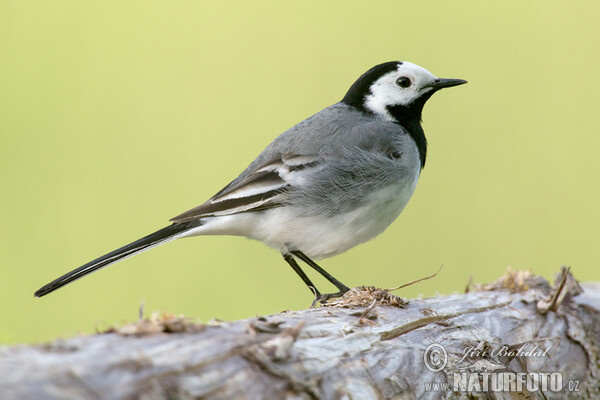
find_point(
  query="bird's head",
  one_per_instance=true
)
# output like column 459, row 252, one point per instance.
column 396, row 90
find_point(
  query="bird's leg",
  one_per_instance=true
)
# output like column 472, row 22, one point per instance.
column 323, row 297
column 290, row 260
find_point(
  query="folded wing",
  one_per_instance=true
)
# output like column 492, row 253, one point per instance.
column 263, row 188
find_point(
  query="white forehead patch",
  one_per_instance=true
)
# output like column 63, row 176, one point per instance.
column 385, row 92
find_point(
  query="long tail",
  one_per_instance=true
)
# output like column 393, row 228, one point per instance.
column 157, row 238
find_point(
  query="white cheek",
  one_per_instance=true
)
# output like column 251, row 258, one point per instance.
column 385, row 92
column 383, row 96
column 376, row 105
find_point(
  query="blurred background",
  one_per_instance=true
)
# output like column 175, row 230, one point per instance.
column 118, row 115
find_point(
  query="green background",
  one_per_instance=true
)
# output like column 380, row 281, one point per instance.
column 116, row 116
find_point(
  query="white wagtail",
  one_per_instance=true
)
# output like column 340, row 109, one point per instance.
column 333, row 181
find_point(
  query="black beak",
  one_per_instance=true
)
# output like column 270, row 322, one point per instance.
column 441, row 83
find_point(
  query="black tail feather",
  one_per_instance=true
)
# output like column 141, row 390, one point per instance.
column 154, row 239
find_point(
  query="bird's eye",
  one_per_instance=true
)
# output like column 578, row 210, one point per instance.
column 403, row 82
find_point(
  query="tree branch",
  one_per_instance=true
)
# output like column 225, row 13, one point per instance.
column 369, row 344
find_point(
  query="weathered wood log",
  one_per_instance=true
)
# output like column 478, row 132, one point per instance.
column 367, row 345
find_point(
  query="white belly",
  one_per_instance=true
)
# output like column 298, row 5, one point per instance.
column 286, row 228
column 320, row 237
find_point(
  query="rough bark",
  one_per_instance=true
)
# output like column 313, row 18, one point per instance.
column 367, row 345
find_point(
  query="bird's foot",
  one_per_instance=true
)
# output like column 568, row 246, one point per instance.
column 323, row 298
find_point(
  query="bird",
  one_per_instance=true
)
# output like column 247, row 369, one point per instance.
column 335, row 180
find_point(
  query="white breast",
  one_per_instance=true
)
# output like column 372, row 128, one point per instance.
column 321, row 237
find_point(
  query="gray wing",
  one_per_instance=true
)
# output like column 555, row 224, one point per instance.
column 334, row 149
column 329, row 131
column 261, row 189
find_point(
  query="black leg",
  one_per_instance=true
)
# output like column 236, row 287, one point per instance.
column 290, row 260
column 341, row 287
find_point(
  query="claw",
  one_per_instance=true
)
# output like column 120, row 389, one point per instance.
column 317, row 294
column 323, row 298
